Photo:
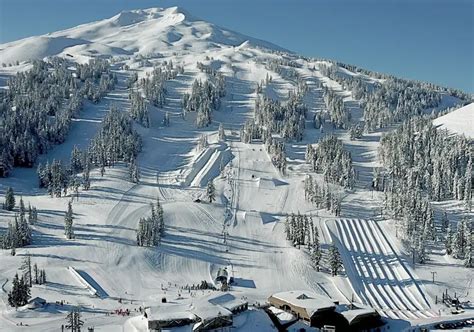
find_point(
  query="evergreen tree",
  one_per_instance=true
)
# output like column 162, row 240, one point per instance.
column 468, row 186
column 459, row 241
column 36, row 273
column 26, row 269
column 43, row 276
column 448, row 242
column 9, row 199
column 335, row 261
column 315, row 248
column 68, row 221
column 221, row 132
column 14, row 297
column 73, row 320
column 211, row 191
column 20, row 292
column 160, row 216
column 469, row 254
column 133, row 171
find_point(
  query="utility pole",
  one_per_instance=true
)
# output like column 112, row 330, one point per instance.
column 433, row 274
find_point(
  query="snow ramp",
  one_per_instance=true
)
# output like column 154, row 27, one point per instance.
column 88, row 282
column 207, row 165
column 376, row 274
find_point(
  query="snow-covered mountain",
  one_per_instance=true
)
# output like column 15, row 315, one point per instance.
column 137, row 32
column 287, row 141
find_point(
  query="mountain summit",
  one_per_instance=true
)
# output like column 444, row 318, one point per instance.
column 135, row 32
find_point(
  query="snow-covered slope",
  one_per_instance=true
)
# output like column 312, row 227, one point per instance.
column 460, row 121
column 244, row 228
column 146, row 32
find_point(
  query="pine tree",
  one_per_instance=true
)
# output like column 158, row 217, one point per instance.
column 86, row 182
column 448, row 242
column 421, row 253
column 14, row 296
column 73, row 319
column 9, row 199
column 211, row 191
column 26, row 269
column 469, row 254
column 221, row 132
column 68, row 221
column 36, row 273
column 288, row 228
column 335, row 261
column 20, row 292
column 315, row 248
column 160, row 216
column 468, row 186
column 133, row 171
column 459, row 242
column 43, row 276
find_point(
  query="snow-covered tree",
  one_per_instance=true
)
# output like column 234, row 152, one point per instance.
column 9, row 199
column 73, row 320
column 221, row 132
column 26, row 269
column 133, row 171
column 20, row 292
column 211, row 191
column 151, row 229
column 335, row 261
column 68, row 222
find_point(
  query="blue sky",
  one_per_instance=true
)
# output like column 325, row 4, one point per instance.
column 429, row 40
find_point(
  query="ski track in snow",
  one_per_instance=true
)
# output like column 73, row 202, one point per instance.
column 376, row 272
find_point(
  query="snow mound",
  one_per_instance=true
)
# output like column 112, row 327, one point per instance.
column 460, row 121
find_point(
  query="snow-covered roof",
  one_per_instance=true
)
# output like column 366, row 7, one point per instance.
column 307, row 300
column 167, row 312
column 37, row 299
column 206, row 311
column 350, row 315
column 283, row 316
column 228, row 301
column 460, row 121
